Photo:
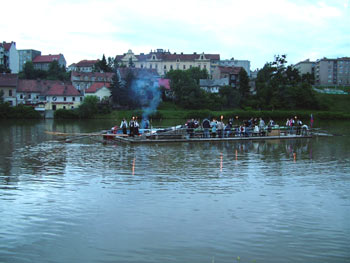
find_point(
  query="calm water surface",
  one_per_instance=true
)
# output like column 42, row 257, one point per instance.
column 273, row 201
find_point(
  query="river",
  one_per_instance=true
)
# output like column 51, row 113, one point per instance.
column 272, row 201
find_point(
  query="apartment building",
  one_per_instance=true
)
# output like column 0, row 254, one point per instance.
column 332, row 72
column 163, row 61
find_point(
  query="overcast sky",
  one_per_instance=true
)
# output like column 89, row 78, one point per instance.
column 252, row 30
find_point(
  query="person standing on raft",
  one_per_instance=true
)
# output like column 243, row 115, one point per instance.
column 124, row 126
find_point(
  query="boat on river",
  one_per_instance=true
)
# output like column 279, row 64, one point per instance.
column 181, row 133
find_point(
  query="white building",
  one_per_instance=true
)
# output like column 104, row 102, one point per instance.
column 9, row 56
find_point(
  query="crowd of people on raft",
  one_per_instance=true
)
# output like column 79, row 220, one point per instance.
column 235, row 127
column 217, row 128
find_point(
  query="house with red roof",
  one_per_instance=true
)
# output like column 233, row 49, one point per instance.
column 8, row 85
column 232, row 73
column 83, row 80
column 9, row 56
column 62, row 96
column 100, row 90
column 42, row 62
column 52, row 94
column 163, row 61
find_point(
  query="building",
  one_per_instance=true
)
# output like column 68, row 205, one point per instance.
column 26, row 55
column 83, row 66
column 9, row 56
column 305, row 67
column 8, row 86
column 235, row 63
column 42, row 62
column 332, row 72
column 100, row 90
column 48, row 94
column 83, row 80
column 62, row 96
column 213, row 85
column 163, row 61
column 232, row 73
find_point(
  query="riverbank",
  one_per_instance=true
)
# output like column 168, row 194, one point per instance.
column 167, row 111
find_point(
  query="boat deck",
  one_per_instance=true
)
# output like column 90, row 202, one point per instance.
column 158, row 139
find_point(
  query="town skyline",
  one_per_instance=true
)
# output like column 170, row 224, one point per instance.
column 253, row 31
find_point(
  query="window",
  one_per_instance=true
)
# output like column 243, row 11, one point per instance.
column 21, row 96
column 10, row 92
column 171, row 66
column 150, row 65
column 190, row 66
column 64, row 107
column 37, row 97
column 153, row 57
column 64, row 99
column 177, row 66
column 156, row 65
column 72, row 107
column 141, row 65
column 184, row 66
column 73, row 98
column 205, row 66
column 178, row 60
column 81, row 98
column 164, row 67
column 29, row 96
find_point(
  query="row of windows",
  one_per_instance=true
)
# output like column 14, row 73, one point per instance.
column 171, row 66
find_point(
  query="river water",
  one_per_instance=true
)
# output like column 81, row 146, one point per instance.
column 272, row 201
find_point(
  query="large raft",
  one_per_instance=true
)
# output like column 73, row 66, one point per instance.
column 179, row 135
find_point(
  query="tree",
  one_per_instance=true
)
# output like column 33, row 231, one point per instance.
column 4, row 69
column 244, row 88
column 1, row 96
column 89, row 107
column 102, row 66
column 280, row 87
column 231, row 97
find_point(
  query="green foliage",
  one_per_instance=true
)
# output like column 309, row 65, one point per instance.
column 4, row 69
column 184, row 84
column 244, row 88
column 231, row 97
column 103, row 66
column 1, row 96
column 89, row 107
column 55, row 72
column 18, row 112
column 281, row 87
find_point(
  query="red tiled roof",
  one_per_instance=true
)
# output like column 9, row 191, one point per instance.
column 47, row 87
column 165, row 83
column 8, row 80
column 96, row 86
column 62, row 90
column 229, row 70
column 93, row 74
column 46, row 58
column 139, row 72
column 7, row 46
column 87, row 63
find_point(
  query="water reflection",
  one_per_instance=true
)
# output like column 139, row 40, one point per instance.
column 84, row 201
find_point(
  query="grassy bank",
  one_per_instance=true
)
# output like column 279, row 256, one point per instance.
column 339, row 109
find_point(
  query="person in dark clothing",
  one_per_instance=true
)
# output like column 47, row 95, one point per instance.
column 132, row 126
column 206, row 127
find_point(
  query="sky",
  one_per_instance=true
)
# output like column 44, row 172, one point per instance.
column 253, row 30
